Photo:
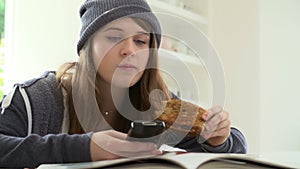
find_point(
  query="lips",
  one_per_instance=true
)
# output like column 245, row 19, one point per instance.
column 127, row 66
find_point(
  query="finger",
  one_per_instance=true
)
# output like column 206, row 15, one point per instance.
column 116, row 134
column 216, row 120
column 213, row 111
column 118, row 147
column 225, row 115
column 205, row 135
column 222, row 128
column 141, row 153
column 212, row 124
column 136, row 146
column 224, row 124
column 132, row 146
column 224, row 132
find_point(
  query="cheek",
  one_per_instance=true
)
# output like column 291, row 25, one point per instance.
column 98, row 55
column 106, row 67
column 143, row 61
column 102, row 54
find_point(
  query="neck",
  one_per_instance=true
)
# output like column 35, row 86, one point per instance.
column 111, row 99
column 111, row 96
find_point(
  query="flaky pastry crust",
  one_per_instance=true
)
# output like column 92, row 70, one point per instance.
column 183, row 116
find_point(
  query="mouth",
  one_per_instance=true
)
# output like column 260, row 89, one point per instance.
column 127, row 67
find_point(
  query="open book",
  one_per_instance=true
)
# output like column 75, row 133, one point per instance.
column 191, row 161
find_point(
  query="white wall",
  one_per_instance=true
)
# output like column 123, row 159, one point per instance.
column 234, row 31
column 279, row 75
column 42, row 36
column 258, row 42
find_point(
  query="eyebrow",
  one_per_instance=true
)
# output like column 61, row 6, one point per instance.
column 121, row 30
column 113, row 28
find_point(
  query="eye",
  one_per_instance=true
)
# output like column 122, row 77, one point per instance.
column 114, row 38
column 140, row 42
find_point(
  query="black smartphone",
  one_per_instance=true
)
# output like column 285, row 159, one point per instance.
column 148, row 131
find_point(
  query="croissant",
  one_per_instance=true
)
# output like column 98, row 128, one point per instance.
column 182, row 116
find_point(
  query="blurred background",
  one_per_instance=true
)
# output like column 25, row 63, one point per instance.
column 257, row 42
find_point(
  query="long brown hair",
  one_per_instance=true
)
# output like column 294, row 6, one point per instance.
column 84, row 73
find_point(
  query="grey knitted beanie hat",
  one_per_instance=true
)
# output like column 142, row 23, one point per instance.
column 96, row 13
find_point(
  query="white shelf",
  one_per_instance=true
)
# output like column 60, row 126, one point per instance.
column 170, row 58
column 160, row 6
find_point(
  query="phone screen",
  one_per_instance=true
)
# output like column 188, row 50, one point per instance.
column 146, row 130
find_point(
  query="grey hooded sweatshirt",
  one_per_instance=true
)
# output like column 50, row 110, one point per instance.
column 31, row 123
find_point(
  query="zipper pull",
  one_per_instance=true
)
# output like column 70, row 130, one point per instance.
column 7, row 99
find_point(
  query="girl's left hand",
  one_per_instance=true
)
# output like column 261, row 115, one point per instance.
column 217, row 126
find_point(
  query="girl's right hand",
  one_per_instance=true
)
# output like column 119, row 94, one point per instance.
column 111, row 144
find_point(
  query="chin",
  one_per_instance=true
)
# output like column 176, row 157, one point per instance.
column 123, row 83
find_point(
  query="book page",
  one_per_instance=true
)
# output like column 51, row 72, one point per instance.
column 191, row 161
column 170, row 160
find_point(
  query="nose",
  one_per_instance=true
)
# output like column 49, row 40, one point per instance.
column 128, row 47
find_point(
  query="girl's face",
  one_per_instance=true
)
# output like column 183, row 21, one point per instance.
column 121, row 52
